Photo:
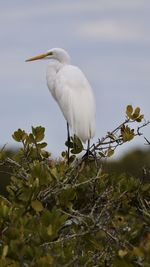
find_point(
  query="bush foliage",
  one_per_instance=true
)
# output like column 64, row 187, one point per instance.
column 76, row 214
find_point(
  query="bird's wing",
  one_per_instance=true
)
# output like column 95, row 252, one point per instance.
column 75, row 98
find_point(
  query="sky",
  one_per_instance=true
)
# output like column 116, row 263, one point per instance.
column 108, row 39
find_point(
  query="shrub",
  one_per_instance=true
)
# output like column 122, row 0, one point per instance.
column 76, row 214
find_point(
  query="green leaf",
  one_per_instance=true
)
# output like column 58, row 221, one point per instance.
column 19, row 135
column 129, row 110
column 122, row 253
column 30, row 139
column 46, row 217
column 77, row 145
column 140, row 118
column 41, row 170
column 38, row 133
column 64, row 154
column 136, row 113
column 127, row 133
column 50, row 230
column 4, row 210
column 37, row 205
column 25, row 194
column 42, row 145
column 66, row 196
column 72, row 158
column 110, row 152
column 69, row 144
column 45, row 154
column 45, row 261
column 5, row 251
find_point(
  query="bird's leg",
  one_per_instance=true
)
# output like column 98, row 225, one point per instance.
column 88, row 148
column 68, row 139
column 86, row 155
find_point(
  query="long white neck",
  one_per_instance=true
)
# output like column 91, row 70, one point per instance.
column 53, row 67
column 58, row 59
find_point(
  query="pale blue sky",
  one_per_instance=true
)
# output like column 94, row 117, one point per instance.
column 108, row 39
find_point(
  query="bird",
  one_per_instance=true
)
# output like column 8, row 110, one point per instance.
column 72, row 92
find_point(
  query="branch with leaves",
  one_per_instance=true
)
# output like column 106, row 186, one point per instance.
column 106, row 146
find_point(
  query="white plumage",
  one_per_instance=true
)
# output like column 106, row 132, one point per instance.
column 71, row 90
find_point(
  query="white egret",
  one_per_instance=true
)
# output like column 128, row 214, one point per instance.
column 72, row 91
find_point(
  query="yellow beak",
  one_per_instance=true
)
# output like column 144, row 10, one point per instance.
column 37, row 57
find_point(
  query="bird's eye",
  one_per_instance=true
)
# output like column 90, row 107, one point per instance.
column 50, row 53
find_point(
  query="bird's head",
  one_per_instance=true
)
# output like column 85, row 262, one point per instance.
column 55, row 53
